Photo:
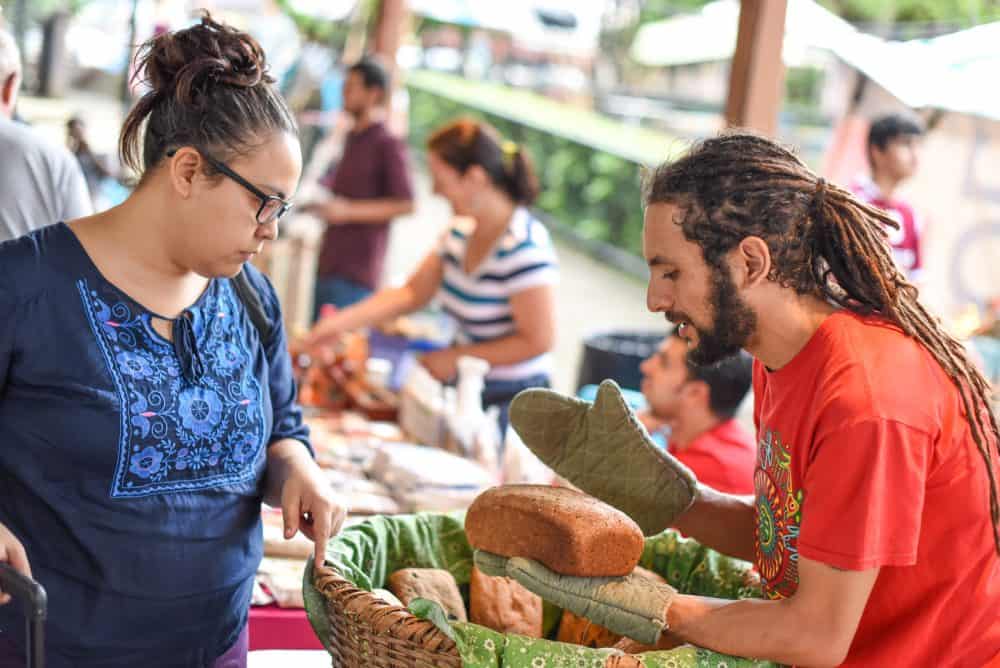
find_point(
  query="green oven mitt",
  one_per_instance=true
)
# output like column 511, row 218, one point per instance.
column 605, row 451
column 631, row 606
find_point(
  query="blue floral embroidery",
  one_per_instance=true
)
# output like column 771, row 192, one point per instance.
column 147, row 462
column 177, row 436
column 200, row 410
column 227, row 357
column 135, row 364
column 243, row 448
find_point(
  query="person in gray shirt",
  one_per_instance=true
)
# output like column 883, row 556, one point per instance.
column 41, row 182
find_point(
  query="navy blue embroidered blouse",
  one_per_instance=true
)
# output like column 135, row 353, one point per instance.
column 135, row 491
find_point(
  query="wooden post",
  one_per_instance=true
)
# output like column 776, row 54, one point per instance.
column 756, row 80
column 389, row 29
column 387, row 34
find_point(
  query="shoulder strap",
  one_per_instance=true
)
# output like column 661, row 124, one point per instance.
column 255, row 309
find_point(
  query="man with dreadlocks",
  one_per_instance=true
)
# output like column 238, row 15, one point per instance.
column 874, row 520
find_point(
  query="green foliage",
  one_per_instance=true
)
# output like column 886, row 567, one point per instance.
column 41, row 9
column 655, row 10
column 803, row 85
column 330, row 33
column 586, row 186
column 959, row 13
column 954, row 13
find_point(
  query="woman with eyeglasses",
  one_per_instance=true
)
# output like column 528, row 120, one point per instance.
column 494, row 270
column 147, row 405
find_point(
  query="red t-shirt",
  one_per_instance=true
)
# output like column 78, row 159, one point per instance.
column 905, row 240
column 865, row 460
column 723, row 458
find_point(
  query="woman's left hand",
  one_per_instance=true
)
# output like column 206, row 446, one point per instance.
column 442, row 364
column 308, row 503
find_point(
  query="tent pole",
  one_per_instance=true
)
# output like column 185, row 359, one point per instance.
column 757, row 76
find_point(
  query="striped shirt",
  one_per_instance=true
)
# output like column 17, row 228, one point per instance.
column 523, row 258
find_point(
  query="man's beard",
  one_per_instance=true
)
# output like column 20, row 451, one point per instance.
column 733, row 323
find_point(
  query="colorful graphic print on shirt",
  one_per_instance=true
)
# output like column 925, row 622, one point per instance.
column 778, row 513
column 175, row 435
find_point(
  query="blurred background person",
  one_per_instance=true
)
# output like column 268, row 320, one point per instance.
column 40, row 182
column 894, row 143
column 692, row 412
column 369, row 186
column 494, row 269
column 102, row 183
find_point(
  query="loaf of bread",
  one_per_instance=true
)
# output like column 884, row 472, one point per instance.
column 504, row 605
column 577, row 630
column 563, row 529
column 431, row 583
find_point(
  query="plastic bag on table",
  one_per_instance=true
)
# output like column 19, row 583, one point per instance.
column 519, row 465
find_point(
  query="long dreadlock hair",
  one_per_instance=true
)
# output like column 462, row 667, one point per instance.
column 823, row 242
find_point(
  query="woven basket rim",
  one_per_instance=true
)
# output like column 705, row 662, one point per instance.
column 379, row 615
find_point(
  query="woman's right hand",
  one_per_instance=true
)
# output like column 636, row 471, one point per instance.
column 12, row 552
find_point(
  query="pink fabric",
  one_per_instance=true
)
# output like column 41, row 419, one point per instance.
column 272, row 627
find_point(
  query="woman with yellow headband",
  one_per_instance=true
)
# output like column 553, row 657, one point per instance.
column 494, row 269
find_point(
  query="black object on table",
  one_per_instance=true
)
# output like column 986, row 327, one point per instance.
column 616, row 355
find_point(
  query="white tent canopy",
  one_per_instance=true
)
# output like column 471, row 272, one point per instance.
column 522, row 19
column 710, row 34
column 954, row 72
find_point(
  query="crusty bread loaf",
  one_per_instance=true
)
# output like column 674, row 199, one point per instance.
column 434, row 584
column 565, row 530
column 504, row 605
column 577, row 630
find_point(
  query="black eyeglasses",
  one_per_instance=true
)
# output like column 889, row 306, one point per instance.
column 272, row 207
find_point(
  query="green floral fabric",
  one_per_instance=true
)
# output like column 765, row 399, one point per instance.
column 692, row 568
column 483, row 648
column 367, row 553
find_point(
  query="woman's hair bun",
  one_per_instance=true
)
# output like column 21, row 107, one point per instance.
column 184, row 64
column 208, row 87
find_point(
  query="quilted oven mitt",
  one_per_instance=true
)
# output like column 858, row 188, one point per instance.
column 606, row 452
column 631, row 606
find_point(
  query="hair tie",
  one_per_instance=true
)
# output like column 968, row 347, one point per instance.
column 510, row 150
column 819, row 197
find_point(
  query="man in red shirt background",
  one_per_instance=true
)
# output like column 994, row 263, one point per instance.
column 894, row 156
column 692, row 409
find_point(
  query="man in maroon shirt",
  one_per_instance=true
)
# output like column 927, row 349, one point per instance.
column 370, row 185
column 692, row 410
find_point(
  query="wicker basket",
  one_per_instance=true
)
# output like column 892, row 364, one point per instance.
column 367, row 632
column 361, row 630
